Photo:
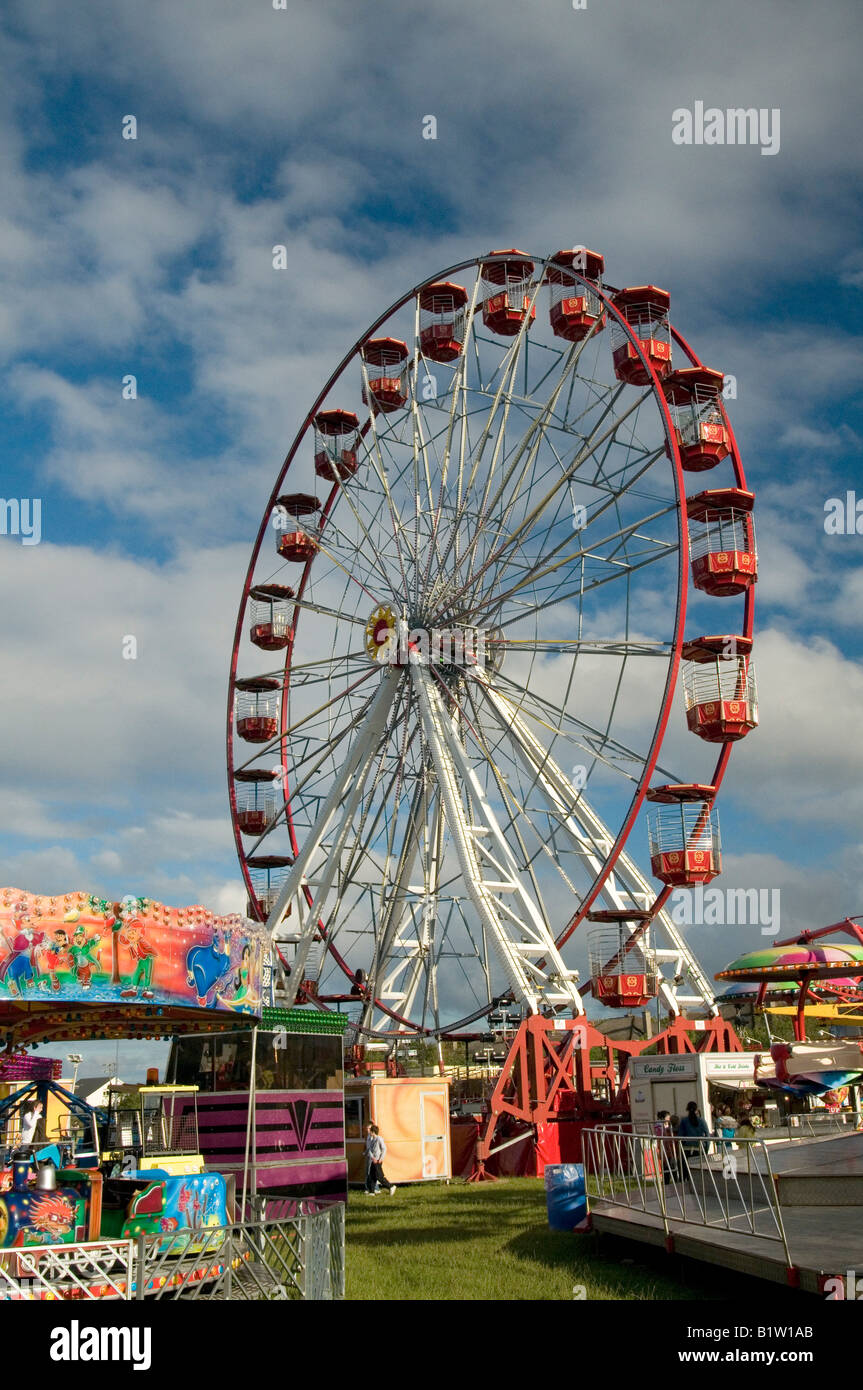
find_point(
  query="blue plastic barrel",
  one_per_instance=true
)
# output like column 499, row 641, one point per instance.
column 565, row 1197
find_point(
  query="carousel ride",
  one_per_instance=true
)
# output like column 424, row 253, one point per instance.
column 80, row 967
column 815, row 976
column 456, row 665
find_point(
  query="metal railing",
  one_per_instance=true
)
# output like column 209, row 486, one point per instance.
column 89, row 1270
column 300, row 1257
column 817, row 1123
column 678, row 1180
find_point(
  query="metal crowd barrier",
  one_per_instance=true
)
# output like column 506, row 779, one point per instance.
column 299, row 1257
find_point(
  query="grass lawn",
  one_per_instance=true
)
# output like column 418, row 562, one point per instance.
column 492, row 1240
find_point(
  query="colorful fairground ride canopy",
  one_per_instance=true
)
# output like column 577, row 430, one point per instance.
column 79, row 966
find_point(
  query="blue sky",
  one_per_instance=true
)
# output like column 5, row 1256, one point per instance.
column 304, row 127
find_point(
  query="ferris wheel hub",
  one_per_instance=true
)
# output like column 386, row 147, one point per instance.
column 393, row 641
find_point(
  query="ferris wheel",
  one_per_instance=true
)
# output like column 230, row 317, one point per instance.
column 460, row 648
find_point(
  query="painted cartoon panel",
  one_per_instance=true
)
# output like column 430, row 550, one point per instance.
column 185, row 1209
column 81, row 948
column 29, row 1216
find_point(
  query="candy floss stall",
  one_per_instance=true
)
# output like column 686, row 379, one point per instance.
column 79, row 967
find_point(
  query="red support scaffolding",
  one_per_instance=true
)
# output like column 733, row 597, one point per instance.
column 547, row 1082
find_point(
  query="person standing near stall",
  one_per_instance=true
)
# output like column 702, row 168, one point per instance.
column 30, row 1122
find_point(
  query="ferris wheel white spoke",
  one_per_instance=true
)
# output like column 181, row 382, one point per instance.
column 325, row 612
column 508, row 369
column 627, row 889
column 526, row 448
column 345, row 794
column 518, row 813
column 491, row 874
column 369, row 551
column 388, row 808
column 460, row 387
column 457, row 398
column 528, row 445
column 375, row 457
column 539, row 508
column 614, row 396
column 360, row 849
column 402, row 977
column 434, row 507
column 454, row 528
column 618, row 569
column 586, row 645
column 327, row 552
column 612, row 501
column 587, row 552
column 589, row 736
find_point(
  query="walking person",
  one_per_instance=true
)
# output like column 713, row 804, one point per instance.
column 370, row 1162
column 376, row 1151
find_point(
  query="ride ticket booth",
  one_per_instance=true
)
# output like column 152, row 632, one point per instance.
column 669, row 1083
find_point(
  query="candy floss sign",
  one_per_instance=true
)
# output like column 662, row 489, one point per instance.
column 84, row 949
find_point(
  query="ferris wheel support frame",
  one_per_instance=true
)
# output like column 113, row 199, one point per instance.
column 345, row 795
column 550, row 1059
column 592, row 839
column 529, row 937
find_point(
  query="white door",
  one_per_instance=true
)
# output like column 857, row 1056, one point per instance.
column 673, row 1096
column 433, row 1133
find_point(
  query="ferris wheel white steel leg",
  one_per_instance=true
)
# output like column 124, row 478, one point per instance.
column 520, row 934
column 594, row 842
column 344, row 797
column 398, row 987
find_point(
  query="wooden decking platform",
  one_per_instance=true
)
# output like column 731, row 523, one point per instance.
column 820, row 1189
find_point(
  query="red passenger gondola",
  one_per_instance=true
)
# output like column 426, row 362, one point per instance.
column 694, row 394
column 575, row 308
column 255, row 794
column 507, row 291
column 623, row 968
column 722, row 541
column 337, row 435
column 298, row 543
column 271, row 613
column 683, row 834
column 385, row 384
column 645, row 309
column 257, row 708
column 719, row 688
column 442, row 320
